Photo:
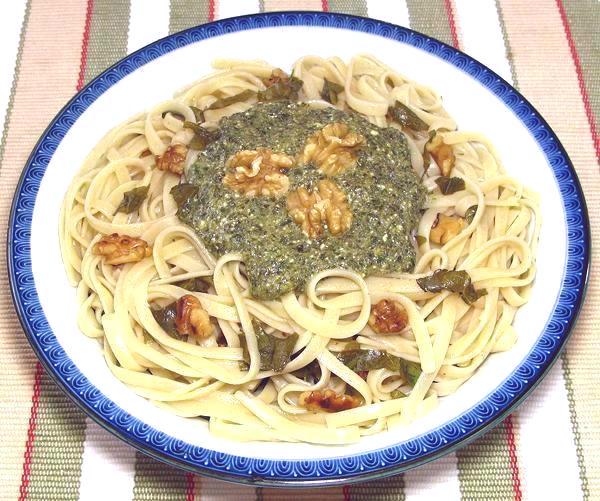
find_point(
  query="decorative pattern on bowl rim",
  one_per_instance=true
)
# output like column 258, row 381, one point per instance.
column 358, row 467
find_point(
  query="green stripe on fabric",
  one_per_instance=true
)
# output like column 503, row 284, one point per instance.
column 584, row 21
column 509, row 55
column 187, row 13
column 156, row 481
column 387, row 489
column 13, row 87
column 484, row 468
column 108, row 35
column 58, row 447
column 575, row 425
column 355, row 7
column 431, row 18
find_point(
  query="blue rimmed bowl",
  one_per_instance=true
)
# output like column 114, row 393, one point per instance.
column 479, row 100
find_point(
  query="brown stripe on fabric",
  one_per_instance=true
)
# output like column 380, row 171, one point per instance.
column 355, row 7
column 272, row 5
column 188, row 13
column 325, row 494
column 484, row 467
column 584, row 22
column 387, row 489
column 509, row 55
column 41, row 88
column 155, row 481
column 58, row 446
column 109, row 30
column 431, row 18
column 547, row 76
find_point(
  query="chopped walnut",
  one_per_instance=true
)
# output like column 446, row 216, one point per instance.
column 121, row 249
column 328, row 401
column 333, row 149
column 191, row 319
column 277, row 76
column 326, row 206
column 388, row 317
column 442, row 154
column 445, row 228
column 258, row 173
column 173, row 159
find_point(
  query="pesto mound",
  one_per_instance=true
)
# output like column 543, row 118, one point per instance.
column 384, row 195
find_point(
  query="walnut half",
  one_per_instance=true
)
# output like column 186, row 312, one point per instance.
column 445, row 228
column 191, row 319
column 258, row 173
column 333, row 149
column 173, row 159
column 388, row 317
column 442, row 154
column 328, row 401
column 120, row 249
column 325, row 206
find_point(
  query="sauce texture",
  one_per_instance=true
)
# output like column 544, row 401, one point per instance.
column 383, row 192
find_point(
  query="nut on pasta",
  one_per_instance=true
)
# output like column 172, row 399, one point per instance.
column 333, row 149
column 388, row 317
column 121, row 249
column 173, row 159
column 327, row 401
column 445, row 228
column 442, row 154
column 191, row 319
column 259, row 172
column 324, row 207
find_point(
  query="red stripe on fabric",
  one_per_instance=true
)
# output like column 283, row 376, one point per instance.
column 325, row 5
column 452, row 21
column 189, row 492
column 211, row 10
column 512, row 456
column 85, row 43
column 35, row 402
column 346, row 492
column 584, row 94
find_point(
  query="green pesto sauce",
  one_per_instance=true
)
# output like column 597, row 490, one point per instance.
column 383, row 192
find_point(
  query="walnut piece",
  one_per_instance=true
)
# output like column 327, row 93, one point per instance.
column 191, row 319
column 445, row 228
column 333, row 149
column 121, row 249
column 258, row 173
column 442, row 154
column 173, row 159
column 277, row 76
column 325, row 206
column 388, row 317
column 327, row 401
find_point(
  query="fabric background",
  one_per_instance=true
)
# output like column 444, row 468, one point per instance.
column 548, row 449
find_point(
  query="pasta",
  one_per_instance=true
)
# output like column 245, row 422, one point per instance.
column 485, row 230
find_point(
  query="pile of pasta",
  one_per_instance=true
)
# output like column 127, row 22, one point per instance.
column 219, row 377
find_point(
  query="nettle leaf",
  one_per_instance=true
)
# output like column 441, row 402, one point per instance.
column 453, row 281
column 182, row 192
column 284, row 89
column 330, row 91
column 275, row 352
column 133, row 199
column 165, row 317
column 450, row 185
column 198, row 284
column 228, row 101
column 403, row 115
column 202, row 136
column 367, row 360
column 470, row 213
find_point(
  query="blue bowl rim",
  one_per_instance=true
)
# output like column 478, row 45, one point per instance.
column 299, row 473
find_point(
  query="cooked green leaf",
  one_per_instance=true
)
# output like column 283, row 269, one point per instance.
column 133, row 199
column 310, row 373
column 403, row 115
column 227, row 101
column 410, row 371
column 470, row 213
column 449, row 185
column 330, row 91
column 202, row 136
column 420, row 240
column 397, row 394
column 453, row 281
column 198, row 113
column 165, row 317
column 367, row 360
column 198, row 284
column 284, row 89
column 182, row 192
column 274, row 352
column 283, row 351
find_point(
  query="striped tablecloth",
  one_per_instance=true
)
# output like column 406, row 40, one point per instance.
column 549, row 449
